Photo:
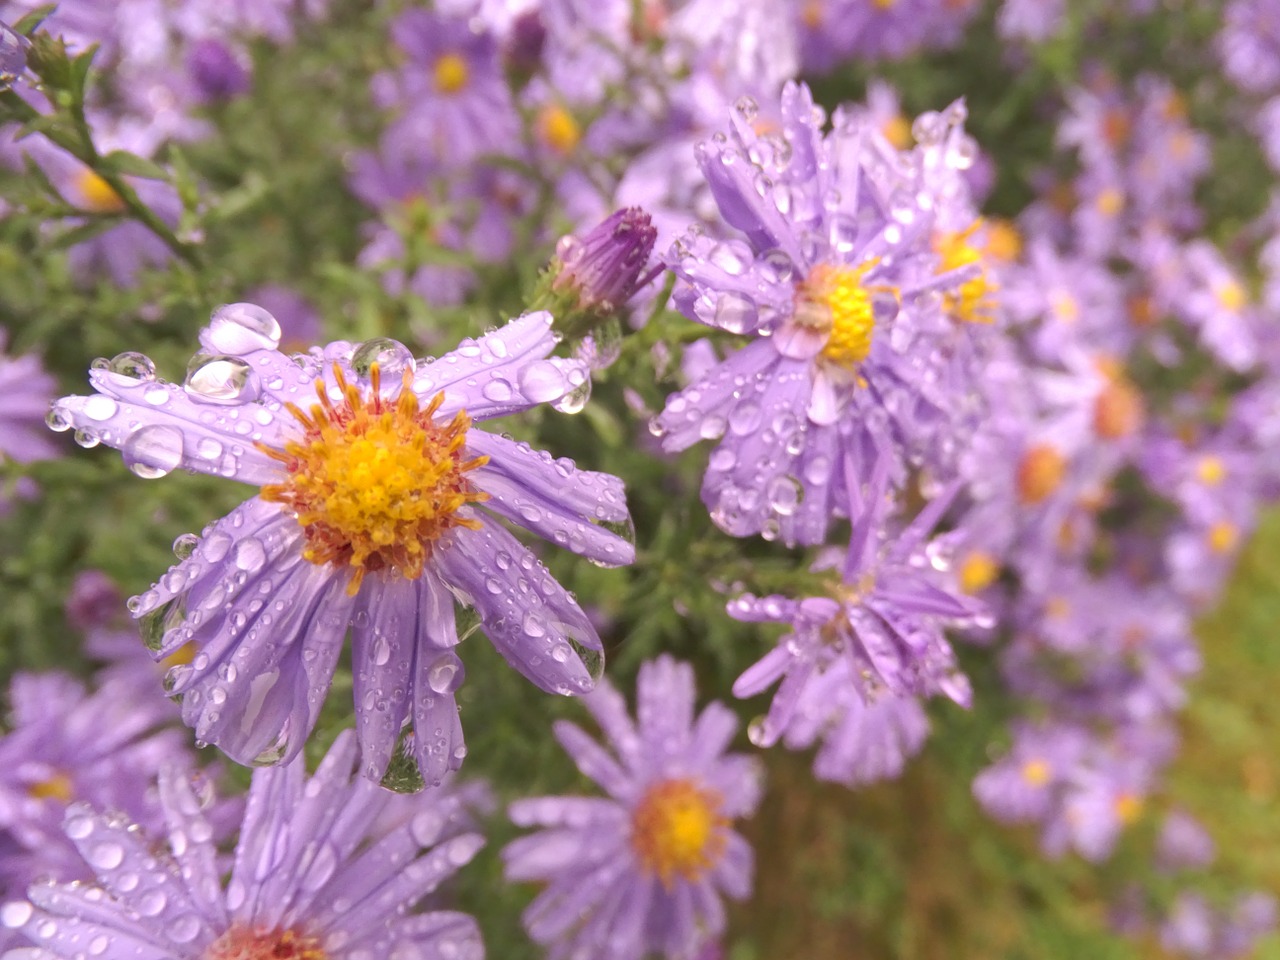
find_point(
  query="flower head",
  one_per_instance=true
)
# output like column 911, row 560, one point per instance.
column 376, row 513
column 326, row 868
column 641, row 870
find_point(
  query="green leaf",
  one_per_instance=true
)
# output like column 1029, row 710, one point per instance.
column 121, row 161
column 28, row 24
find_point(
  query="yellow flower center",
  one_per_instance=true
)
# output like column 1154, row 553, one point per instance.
column 56, row 787
column 1128, row 808
column 677, row 830
column 451, row 73
column 1004, row 243
column 974, row 302
column 1110, row 202
column 558, row 129
column 240, row 943
column 375, row 482
column 978, row 571
column 1222, row 536
column 883, row 4
column 832, row 300
column 96, row 194
column 1118, row 410
column 1040, row 473
column 897, row 130
column 1036, row 772
column 1210, row 470
column 1230, row 296
column 811, row 14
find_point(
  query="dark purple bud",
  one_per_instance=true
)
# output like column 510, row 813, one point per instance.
column 13, row 55
column 216, row 70
column 605, row 266
column 524, row 47
column 94, row 601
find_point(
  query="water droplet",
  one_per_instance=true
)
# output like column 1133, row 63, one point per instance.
column 56, row 422
column 240, row 328
column 106, row 856
column 542, row 381
column 100, row 408
column 534, row 625
column 86, row 439
column 575, row 400
column 184, row 929
column 392, row 357
column 756, row 732
column 221, row 380
column 445, row 675
column 15, row 914
column 497, row 390
column 381, row 653
column 185, row 545
column 153, row 451
column 747, row 108
column 249, row 554
column 784, row 495
column 736, row 312
column 135, row 366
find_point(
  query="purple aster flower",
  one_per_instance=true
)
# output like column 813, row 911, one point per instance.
column 217, row 69
column 68, row 745
column 369, row 521
column 1032, row 20
column 328, row 866
column 25, row 393
column 1183, row 843
column 883, row 618
column 13, row 55
column 642, row 870
column 1249, row 44
column 601, row 270
column 1024, row 785
column 841, row 289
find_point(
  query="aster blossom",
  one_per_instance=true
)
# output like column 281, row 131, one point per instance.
column 854, row 314
column 368, row 521
column 326, row 866
column 642, row 870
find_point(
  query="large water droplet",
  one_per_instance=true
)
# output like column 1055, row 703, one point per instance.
column 153, row 451
column 15, row 914
column 736, row 312
column 403, row 775
column 134, row 366
column 575, row 400
column 221, row 380
column 100, row 408
column 240, row 328
column 56, row 422
column 542, row 381
column 392, row 357
column 445, row 675
column 185, row 545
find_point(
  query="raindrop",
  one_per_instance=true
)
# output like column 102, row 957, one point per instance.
column 184, row 929
column 592, row 659
column 756, row 732
column 15, row 914
column 100, row 408
column 381, row 651
column 56, row 422
column 185, row 545
column 392, row 357
column 153, row 451
column 444, row 675
column 249, row 554
column 736, row 312
column 747, row 108
column 575, row 400
column 240, row 328
column 221, row 380
column 106, row 856
column 542, row 381
column 784, row 494
column 497, row 390
column 534, row 625
column 134, row 366
column 712, row 427
column 884, row 306
column 86, row 439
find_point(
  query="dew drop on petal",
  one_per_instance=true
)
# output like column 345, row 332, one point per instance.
column 240, row 328
column 249, row 555
column 15, row 914
column 184, row 929
column 542, row 381
column 392, row 357
column 153, row 451
column 56, row 422
column 86, row 439
column 185, row 545
column 221, row 380
column 132, row 366
column 735, row 312
column 99, row 407
column 106, row 856
column 443, row 677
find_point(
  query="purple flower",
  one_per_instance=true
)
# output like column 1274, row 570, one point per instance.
column 326, row 866
column 1183, row 843
column 369, row 521
column 67, row 745
column 25, row 392
column 216, row 69
column 841, row 289
column 602, row 268
column 880, row 627
column 642, row 870
column 13, row 55
column 1249, row 44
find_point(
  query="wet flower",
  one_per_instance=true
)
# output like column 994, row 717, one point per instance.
column 13, row 55
column 644, row 869
column 841, row 289
column 377, row 513
column 601, row 269
column 66, row 745
column 327, row 867
column 880, row 627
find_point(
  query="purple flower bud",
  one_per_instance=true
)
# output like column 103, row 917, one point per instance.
column 604, row 267
column 95, row 601
column 216, row 70
column 13, row 54
column 524, row 46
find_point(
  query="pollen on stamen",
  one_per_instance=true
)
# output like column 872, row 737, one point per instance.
column 241, row 943
column 375, row 481
column 833, row 300
column 974, row 301
column 678, row 830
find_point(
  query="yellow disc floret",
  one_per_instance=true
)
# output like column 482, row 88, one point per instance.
column 451, row 73
column 832, row 300
column 242, row 943
column 558, row 129
column 1036, row 772
column 375, row 482
column 974, row 302
column 677, row 830
column 978, row 571
column 1210, row 470
column 57, row 787
column 96, row 194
